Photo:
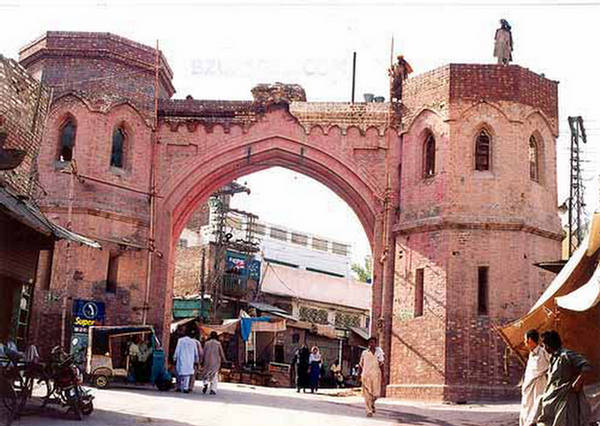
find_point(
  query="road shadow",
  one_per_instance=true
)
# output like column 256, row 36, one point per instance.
column 58, row 417
column 405, row 415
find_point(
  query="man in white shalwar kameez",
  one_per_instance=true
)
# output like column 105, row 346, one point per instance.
column 535, row 378
column 371, row 373
column 186, row 355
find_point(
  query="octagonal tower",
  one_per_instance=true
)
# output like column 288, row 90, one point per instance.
column 478, row 208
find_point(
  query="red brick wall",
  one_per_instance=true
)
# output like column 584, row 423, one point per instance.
column 461, row 219
column 24, row 104
column 448, row 224
column 504, row 83
column 109, row 205
column 106, row 67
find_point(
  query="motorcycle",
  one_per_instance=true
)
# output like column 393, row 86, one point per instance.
column 59, row 382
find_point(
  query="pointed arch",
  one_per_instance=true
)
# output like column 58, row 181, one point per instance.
column 472, row 110
column 429, row 149
column 66, row 138
column 119, row 142
column 536, row 157
column 483, row 150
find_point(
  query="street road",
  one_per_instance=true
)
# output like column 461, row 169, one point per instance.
column 241, row 405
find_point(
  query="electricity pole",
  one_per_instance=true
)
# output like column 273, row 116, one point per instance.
column 576, row 203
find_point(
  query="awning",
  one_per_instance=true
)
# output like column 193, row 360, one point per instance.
column 318, row 329
column 570, row 305
column 179, row 323
column 285, row 316
column 228, row 327
column 361, row 332
column 554, row 266
column 265, row 307
column 585, row 297
column 26, row 212
column 272, row 310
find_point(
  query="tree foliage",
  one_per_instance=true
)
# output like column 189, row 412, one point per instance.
column 364, row 272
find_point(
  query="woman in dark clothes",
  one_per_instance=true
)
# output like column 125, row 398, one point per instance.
column 302, row 368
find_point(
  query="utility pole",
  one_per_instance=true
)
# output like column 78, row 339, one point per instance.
column 576, row 188
column 202, row 282
column 353, row 74
column 223, row 240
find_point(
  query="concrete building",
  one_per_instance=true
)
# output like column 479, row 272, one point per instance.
column 451, row 186
column 316, row 270
column 280, row 245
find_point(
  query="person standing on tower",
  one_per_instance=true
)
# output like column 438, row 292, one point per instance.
column 503, row 45
column 398, row 73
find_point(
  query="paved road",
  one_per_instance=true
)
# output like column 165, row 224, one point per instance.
column 246, row 405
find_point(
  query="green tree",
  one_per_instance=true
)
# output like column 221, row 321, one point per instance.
column 364, row 272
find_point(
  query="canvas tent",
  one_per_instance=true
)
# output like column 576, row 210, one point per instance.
column 571, row 306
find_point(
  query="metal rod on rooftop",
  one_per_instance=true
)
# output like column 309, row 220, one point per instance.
column 353, row 74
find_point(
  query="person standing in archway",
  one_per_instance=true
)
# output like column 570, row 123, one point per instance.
column 301, row 364
column 186, row 355
column 370, row 373
column 213, row 357
column 315, row 362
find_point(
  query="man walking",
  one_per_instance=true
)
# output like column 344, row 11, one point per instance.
column 563, row 402
column 186, row 355
column 370, row 372
column 194, row 337
column 534, row 380
column 213, row 356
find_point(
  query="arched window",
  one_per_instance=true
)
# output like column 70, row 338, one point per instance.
column 118, row 143
column 482, row 151
column 533, row 159
column 67, row 140
column 429, row 156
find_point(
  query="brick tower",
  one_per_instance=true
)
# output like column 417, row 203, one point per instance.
column 478, row 208
column 474, row 173
column 102, row 85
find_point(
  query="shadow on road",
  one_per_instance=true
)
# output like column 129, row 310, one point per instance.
column 405, row 415
column 56, row 417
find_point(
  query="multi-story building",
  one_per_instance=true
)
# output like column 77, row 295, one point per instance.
column 318, row 285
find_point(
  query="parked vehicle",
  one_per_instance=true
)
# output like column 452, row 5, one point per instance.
column 126, row 355
column 33, row 384
column 58, row 382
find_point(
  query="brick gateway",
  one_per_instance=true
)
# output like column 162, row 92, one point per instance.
column 472, row 177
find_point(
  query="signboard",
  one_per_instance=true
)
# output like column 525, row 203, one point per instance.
column 87, row 313
column 239, row 264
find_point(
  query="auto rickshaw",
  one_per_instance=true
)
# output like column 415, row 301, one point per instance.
column 111, row 359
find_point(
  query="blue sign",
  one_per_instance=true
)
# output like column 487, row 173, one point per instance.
column 87, row 313
column 238, row 264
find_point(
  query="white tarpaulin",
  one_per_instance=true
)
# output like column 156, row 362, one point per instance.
column 585, row 297
column 559, row 281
